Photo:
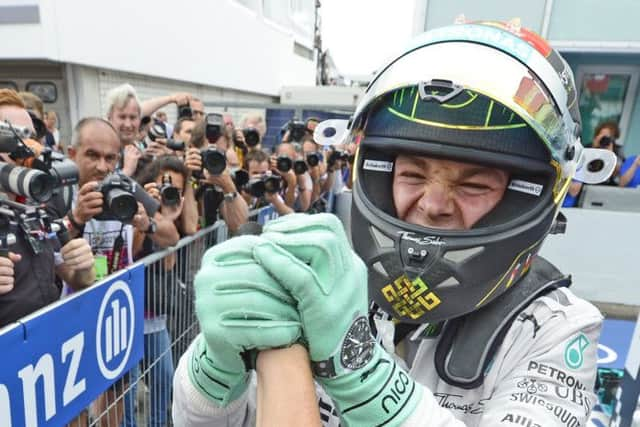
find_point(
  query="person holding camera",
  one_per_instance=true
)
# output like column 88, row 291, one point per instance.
column 125, row 113
column 107, row 208
column 264, row 186
column 298, row 193
column 210, row 161
column 164, row 179
column 28, row 275
column 96, row 153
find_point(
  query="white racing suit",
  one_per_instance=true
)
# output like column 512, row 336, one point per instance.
column 541, row 375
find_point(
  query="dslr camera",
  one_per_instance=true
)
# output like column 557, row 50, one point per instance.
column 313, row 159
column 158, row 130
column 39, row 171
column 184, row 111
column 119, row 202
column 169, row 194
column 214, row 127
column 297, row 130
column 257, row 187
column 284, row 163
column 251, row 137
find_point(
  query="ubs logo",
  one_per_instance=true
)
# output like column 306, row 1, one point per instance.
column 114, row 331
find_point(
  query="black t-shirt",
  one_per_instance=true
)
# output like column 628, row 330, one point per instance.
column 35, row 279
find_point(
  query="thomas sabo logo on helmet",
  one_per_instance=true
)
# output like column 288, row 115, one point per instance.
column 115, row 329
column 410, row 298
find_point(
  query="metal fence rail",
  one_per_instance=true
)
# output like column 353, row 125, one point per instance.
column 143, row 396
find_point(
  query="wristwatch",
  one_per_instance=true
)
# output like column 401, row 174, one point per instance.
column 229, row 197
column 153, row 227
column 356, row 351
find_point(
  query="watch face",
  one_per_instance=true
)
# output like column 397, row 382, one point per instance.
column 358, row 344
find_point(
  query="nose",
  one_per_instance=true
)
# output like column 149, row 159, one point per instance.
column 102, row 165
column 437, row 204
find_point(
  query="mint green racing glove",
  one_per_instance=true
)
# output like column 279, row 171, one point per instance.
column 240, row 308
column 310, row 256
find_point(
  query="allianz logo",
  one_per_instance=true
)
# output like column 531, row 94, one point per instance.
column 114, row 330
column 44, row 386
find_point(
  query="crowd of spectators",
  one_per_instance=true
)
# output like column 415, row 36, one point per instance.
column 183, row 176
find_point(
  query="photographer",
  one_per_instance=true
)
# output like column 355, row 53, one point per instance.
column 215, row 192
column 166, row 180
column 298, row 193
column 95, row 149
column 27, row 279
column 258, row 191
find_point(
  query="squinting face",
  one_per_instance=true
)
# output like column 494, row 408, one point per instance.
column 445, row 194
column 126, row 121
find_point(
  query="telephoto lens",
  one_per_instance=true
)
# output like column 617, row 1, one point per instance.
column 213, row 160
column 284, row 164
column 31, row 183
column 313, row 159
column 300, row 167
column 64, row 171
column 251, row 137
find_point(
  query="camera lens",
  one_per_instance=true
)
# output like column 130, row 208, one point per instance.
column 240, row 177
column 284, row 163
column 605, row 141
column 299, row 167
column 121, row 204
column 256, row 187
column 251, row 137
column 30, row 183
column 175, row 145
column 214, row 161
column 313, row 159
column 272, row 184
column 157, row 130
column 170, row 195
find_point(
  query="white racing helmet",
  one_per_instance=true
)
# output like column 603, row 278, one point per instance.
column 483, row 93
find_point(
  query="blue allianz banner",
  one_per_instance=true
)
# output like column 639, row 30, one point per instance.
column 55, row 363
column 266, row 214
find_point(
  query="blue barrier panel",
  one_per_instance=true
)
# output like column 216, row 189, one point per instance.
column 56, row 362
column 614, row 343
column 267, row 214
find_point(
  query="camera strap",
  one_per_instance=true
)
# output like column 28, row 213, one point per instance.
column 117, row 249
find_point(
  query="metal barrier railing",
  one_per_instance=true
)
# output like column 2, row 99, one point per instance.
column 143, row 396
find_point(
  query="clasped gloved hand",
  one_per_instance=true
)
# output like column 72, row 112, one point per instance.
column 240, row 308
column 310, row 257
